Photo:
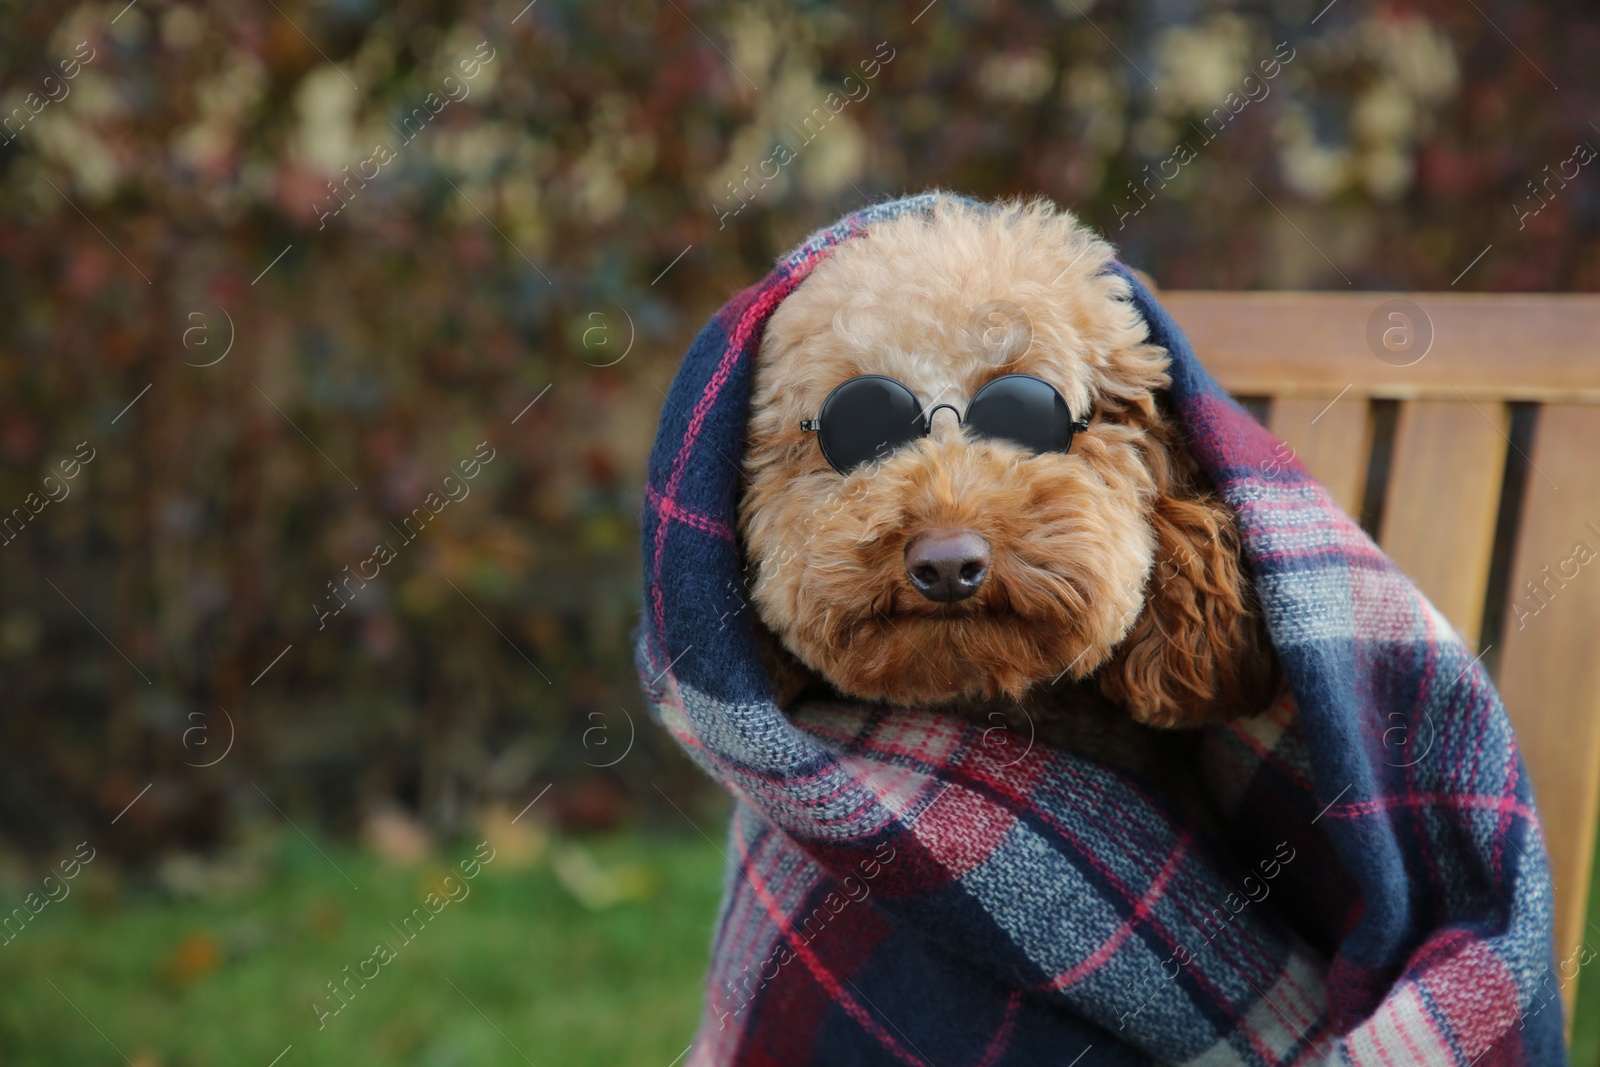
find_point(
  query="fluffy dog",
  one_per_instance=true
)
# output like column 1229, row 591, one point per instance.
column 1097, row 592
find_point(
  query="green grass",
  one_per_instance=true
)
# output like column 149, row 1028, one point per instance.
column 1586, row 1009
column 231, row 978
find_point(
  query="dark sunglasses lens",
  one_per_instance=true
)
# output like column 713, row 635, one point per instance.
column 1022, row 409
column 866, row 418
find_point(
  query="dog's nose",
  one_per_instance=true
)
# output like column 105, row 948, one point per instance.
column 947, row 565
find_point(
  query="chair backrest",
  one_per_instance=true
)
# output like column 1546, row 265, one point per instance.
column 1463, row 430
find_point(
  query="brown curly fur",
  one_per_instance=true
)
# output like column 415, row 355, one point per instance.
column 1114, row 564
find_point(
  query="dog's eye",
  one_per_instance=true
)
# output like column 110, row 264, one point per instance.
column 865, row 418
column 1025, row 410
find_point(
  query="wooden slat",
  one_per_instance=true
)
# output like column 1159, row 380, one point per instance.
column 1521, row 346
column 1549, row 665
column 1443, row 494
column 1331, row 436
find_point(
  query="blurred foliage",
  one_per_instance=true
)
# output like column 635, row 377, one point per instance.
column 566, row 219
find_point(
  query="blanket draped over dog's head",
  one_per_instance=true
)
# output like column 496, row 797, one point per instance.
column 909, row 888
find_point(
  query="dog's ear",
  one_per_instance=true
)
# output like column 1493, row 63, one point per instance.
column 1199, row 651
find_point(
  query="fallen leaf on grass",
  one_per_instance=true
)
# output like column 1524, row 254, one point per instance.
column 596, row 887
column 196, row 956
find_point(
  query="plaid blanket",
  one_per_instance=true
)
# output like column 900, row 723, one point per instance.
column 905, row 888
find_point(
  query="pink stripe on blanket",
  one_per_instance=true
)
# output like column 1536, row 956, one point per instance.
column 670, row 512
column 1359, row 809
column 1124, row 930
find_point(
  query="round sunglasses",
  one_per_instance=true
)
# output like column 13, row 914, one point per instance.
column 866, row 418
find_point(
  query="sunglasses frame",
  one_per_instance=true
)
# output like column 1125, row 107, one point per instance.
column 1075, row 426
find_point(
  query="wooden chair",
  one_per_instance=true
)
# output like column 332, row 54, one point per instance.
column 1464, row 430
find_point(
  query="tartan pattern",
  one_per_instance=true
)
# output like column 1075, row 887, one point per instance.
column 905, row 888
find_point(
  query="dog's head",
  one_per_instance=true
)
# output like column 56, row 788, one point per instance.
column 960, row 563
